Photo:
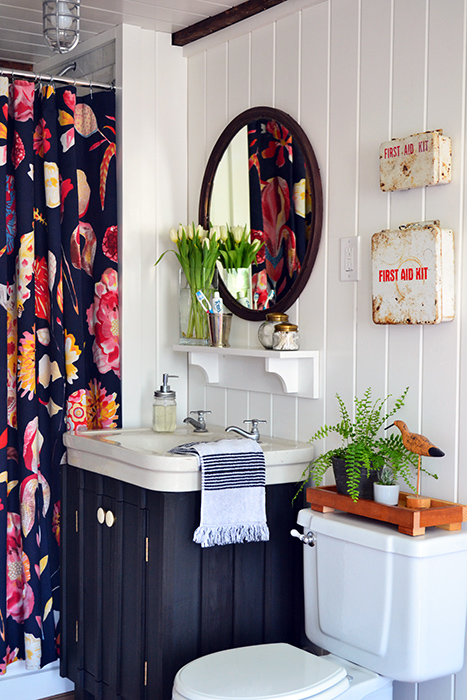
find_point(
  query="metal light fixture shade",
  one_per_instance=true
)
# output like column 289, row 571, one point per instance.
column 60, row 22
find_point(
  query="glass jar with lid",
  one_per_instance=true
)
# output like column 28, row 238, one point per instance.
column 266, row 329
column 286, row 337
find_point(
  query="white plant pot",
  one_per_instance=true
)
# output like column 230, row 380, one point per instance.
column 383, row 493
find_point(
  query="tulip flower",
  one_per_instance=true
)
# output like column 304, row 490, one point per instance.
column 236, row 250
column 197, row 252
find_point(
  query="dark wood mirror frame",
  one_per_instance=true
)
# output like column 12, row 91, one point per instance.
column 218, row 151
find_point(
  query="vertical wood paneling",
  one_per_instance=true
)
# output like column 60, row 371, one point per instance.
column 260, row 406
column 216, row 94
column 238, row 408
column 284, row 416
column 314, row 108
column 262, row 65
column 196, row 124
column 375, row 72
column 137, row 221
column 238, row 100
column 462, row 266
column 356, row 73
column 170, row 209
column 407, row 117
column 440, row 377
column 287, row 65
column 341, row 308
column 239, row 72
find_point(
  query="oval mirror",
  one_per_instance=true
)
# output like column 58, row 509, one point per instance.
column 263, row 175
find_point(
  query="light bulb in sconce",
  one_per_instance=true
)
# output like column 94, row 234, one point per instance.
column 61, row 24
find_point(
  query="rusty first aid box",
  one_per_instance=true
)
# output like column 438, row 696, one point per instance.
column 420, row 160
column 413, row 274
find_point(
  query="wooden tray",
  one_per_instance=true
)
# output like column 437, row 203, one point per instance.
column 410, row 521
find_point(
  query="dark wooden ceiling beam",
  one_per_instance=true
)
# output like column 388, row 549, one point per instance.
column 16, row 65
column 222, row 20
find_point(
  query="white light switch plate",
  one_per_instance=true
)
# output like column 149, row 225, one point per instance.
column 349, row 263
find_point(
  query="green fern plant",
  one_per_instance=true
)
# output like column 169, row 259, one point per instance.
column 362, row 448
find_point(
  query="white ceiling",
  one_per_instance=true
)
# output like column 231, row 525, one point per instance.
column 21, row 21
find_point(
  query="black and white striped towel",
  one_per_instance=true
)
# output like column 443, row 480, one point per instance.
column 233, row 495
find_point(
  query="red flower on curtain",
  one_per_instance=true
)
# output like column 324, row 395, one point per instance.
column 110, row 243
column 280, row 146
column 42, row 134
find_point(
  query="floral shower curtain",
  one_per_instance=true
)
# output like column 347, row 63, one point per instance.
column 280, row 207
column 59, row 341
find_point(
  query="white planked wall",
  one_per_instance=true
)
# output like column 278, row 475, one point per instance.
column 354, row 73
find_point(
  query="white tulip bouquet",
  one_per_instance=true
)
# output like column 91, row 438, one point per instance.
column 197, row 252
column 236, row 250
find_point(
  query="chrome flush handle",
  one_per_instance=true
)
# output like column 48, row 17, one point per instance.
column 308, row 539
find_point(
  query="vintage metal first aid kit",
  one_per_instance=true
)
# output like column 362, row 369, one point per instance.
column 420, row 160
column 413, row 274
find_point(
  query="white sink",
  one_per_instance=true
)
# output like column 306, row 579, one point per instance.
column 142, row 457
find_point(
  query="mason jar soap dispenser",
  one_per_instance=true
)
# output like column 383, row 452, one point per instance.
column 164, row 409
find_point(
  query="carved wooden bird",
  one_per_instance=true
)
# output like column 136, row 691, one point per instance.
column 418, row 444
column 414, row 442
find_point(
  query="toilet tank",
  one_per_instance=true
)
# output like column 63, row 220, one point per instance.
column 392, row 603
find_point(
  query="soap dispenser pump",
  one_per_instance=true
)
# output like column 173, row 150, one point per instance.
column 164, row 410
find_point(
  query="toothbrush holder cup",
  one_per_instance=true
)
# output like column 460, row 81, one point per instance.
column 219, row 329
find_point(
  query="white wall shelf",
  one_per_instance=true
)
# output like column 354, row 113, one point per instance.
column 298, row 370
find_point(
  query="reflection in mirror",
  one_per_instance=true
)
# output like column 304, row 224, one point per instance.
column 263, row 175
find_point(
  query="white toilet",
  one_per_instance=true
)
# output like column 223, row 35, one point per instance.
column 386, row 605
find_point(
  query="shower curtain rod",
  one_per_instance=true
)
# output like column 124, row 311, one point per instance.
column 29, row 75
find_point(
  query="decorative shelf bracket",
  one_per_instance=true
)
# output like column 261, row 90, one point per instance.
column 298, row 370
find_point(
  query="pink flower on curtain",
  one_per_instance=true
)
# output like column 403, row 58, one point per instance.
column 41, row 143
column 103, row 323
column 20, row 596
column 76, row 404
column 21, row 105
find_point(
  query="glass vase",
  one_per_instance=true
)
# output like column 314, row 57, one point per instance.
column 238, row 282
column 194, row 327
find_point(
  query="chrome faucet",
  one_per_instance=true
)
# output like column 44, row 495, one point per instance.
column 200, row 424
column 253, row 434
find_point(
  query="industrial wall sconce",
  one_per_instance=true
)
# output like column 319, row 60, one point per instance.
column 60, row 22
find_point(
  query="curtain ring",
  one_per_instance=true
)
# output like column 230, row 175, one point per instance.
column 90, row 89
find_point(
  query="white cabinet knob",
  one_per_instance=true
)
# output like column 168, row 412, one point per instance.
column 109, row 518
column 101, row 515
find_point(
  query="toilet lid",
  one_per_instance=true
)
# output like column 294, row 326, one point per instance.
column 261, row 672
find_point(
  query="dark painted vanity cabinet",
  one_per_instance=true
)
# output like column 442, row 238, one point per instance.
column 140, row 599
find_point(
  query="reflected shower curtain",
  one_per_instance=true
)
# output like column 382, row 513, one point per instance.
column 280, row 207
column 59, row 338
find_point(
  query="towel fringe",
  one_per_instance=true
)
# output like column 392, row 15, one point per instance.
column 208, row 536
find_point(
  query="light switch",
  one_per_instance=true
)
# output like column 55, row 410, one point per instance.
column 349, row 262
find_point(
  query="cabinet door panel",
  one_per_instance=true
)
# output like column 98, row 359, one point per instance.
column 131, row 610
column 112, row 585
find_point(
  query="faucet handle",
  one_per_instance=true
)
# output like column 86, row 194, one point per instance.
column 201, row 419
column 254, row 426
